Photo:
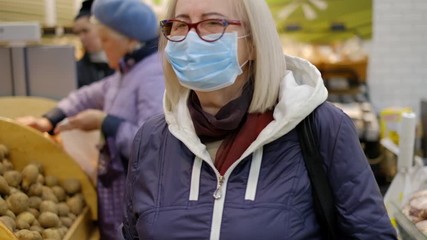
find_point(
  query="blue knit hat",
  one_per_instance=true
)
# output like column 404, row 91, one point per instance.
column 132, row 18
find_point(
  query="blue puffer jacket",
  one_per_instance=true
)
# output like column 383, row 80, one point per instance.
column 266, row 194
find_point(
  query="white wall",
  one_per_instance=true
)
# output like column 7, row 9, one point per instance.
column 397, row 73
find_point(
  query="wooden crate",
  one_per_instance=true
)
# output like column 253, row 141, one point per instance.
column 27, row 145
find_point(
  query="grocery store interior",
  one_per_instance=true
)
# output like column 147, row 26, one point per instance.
column 371, row 54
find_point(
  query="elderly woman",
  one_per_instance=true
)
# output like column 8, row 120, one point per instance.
column 117, row 105
column 224, row 162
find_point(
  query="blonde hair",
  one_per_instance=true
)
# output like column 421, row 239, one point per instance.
column 269, row 65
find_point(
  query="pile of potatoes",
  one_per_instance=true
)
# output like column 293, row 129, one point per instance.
column 35, row 206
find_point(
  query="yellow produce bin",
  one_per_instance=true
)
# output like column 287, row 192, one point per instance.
column 20, row 106
column 26, row 146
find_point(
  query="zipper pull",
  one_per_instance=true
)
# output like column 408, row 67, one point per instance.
column 218, row 193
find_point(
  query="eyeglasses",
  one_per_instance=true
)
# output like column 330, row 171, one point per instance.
column 209, row 30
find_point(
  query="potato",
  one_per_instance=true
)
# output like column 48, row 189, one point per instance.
column 62, row 231
column 71, row 186
column 34, row 202
column 66, row 221
column 63, row 209
column 40, row 167
column 72, row 216
column 51, row 234
column 59, row 193
column 7, row 165
column 48, row 206
column 37, row 229
column 48, row 220
column 21, row 224
column 76, row 204
column 25, row 220
column 8, row 222
column 40, row 178
column 3, row 207
column 51, row 181
column 4, row 186
column 36, row 190
column 36, row 223
column 47, row 194
column 29, row 175
column 10, row 214
column 18, row 202
column 13, row 178
column 34, row 211
column 26, row 216
column 14, row 190
column 28, row 235
column 2, row 169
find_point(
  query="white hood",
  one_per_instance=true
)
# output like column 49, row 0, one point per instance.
column 301, row 91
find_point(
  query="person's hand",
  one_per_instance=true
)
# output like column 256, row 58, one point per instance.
column 86, row 120
column 40, row 123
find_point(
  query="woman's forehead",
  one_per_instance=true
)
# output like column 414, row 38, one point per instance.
column 199, row 8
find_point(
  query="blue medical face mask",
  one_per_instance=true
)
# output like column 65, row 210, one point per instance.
column 205, row 66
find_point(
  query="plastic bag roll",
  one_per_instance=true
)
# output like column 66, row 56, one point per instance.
column 406, row 141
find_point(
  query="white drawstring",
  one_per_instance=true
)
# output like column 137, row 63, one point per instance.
column 254, row 175
column 195, row 179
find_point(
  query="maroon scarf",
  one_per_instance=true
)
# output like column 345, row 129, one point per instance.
column 232, row 123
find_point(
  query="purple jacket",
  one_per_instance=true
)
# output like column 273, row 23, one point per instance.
column 129, row 99
column 266, row 193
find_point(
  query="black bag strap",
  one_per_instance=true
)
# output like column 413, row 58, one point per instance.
column 323, row 199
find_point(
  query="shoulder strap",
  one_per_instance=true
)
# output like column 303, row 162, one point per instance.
column 322, row 195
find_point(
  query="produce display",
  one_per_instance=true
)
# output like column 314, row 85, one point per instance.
column 34, row 205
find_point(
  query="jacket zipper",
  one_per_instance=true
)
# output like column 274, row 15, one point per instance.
column 218, row 192
column 219, row 200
